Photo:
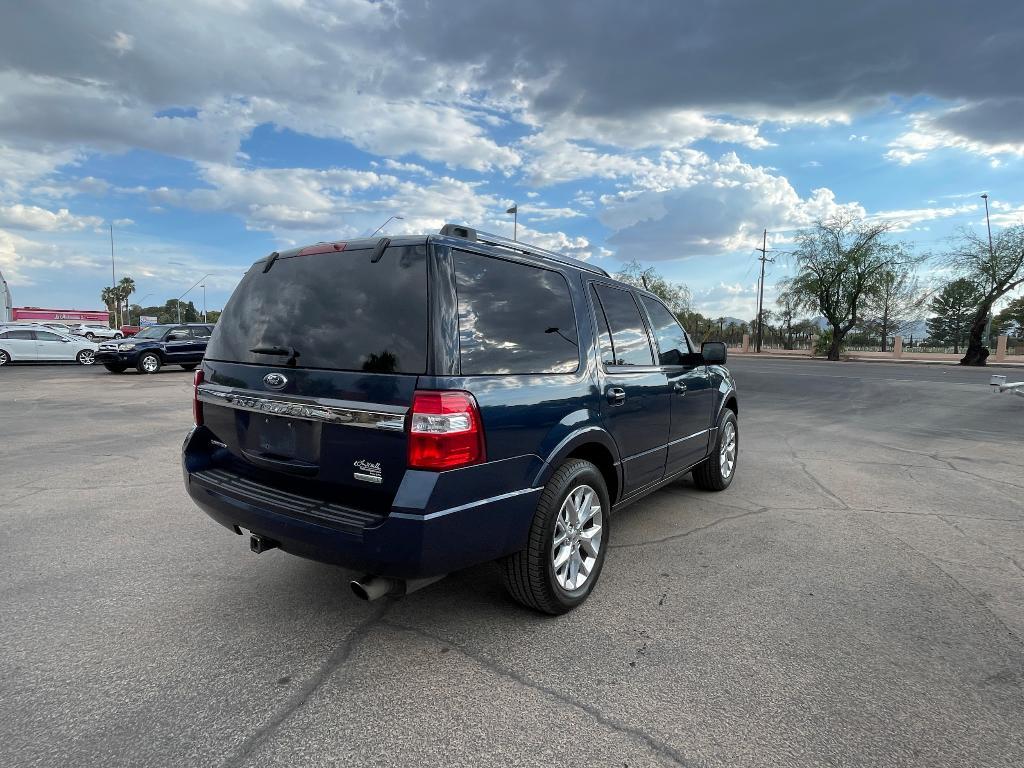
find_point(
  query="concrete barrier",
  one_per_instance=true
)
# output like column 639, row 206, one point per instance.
column 897, row 347
column 746, row 343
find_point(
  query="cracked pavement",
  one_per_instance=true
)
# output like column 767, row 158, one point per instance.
column 855, row 598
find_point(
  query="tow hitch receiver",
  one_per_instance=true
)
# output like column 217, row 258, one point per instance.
column 260, row 544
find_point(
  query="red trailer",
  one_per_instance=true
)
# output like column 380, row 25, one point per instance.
column 101, row 317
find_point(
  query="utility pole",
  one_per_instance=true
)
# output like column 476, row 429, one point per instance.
column 760, row 288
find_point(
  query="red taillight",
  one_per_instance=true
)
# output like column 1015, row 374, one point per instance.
column 197, row 407
column 444, row 431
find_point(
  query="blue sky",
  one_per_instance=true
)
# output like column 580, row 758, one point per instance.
column 671, row 133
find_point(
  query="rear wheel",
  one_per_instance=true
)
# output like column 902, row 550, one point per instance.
column 86, row 357
column 149, row 363
column 568, row 540
column 114, row 368
column 5, row 358
column 718, row 469
column 90, row 336
column 118, row 335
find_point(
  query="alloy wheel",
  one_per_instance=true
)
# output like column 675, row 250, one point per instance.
column 727, row 452
column 577, row 538
column 87, row 357
column 150, row 364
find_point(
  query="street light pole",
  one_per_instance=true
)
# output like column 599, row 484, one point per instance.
column 992, row 262
column 514, row 210
column 204, row 302
column 390, row 219
column 113, row 278
column 186, row 293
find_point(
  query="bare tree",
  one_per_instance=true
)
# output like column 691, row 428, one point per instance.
column 789, row 307
column 896, row 301
column 840, row 264
column 997, row 270
column 676, row 296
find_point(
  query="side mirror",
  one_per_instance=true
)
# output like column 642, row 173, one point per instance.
column 713, row 352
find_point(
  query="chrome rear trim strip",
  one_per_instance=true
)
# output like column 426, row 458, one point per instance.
column 306, row 410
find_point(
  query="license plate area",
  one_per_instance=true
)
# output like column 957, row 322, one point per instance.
column 281, row 437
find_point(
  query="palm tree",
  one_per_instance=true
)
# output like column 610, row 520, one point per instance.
column 125, row 288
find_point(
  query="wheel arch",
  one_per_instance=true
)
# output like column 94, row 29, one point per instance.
column 592, row 444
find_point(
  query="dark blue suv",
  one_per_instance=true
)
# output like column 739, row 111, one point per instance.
column 416, row 405
column 156, row 346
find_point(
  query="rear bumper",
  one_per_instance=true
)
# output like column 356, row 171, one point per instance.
column 414, row 540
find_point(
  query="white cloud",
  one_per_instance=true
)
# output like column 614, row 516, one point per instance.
column 121, row 43
column 948, row 130
column 33, row 217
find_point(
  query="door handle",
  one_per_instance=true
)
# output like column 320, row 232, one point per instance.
column 616, row 395
column 679, row 387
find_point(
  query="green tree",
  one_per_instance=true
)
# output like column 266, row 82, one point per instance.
column 952, row 312
column 840, row 263
column 997, row 269
column 677, row 297
column 895, row 303
column 1011, row 318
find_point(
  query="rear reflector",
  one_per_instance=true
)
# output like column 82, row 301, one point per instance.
column 445, row 431
column 197, row 407
column 322, row 248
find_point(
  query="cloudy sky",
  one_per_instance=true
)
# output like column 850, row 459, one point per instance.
column 210, row 132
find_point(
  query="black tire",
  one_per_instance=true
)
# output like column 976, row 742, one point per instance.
column 5, row 357
column 529, row 575
column 86, row 357
column 709, row 474
column 189, row 366
column 118, row 335
column 90, row 336
column 147, row 367
column 113, row 368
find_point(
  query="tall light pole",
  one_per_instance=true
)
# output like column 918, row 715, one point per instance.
column 204, row 302
column 514, row 210
column 992, row 264
column 113, row 280
column 390, row 219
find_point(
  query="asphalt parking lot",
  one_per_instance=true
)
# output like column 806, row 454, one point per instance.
column 855, row 598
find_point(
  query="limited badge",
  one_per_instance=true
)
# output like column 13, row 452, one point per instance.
column 368, row 471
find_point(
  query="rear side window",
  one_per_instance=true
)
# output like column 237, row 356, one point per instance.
column 23, row 335
column 630, row 343
column 337, row 310
column 670, row 336
column 200, row 332
column 513, row 318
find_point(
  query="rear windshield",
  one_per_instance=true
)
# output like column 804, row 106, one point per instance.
column 336, row 310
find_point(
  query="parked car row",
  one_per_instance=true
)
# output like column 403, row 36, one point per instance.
column 148, row 350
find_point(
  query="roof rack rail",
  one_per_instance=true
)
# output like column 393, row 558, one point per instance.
column 468, row 233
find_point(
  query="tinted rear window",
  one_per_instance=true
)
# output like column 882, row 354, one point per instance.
column 337, row 310
column 513, row 318
column 629, row 335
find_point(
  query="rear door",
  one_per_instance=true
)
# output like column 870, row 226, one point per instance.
column 20, row 344
column 50, row 346
column 636, row 401
column 313, row 364
column 692, row 398
column 200, row 338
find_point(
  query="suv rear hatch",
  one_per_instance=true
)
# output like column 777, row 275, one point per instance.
column 312, row 368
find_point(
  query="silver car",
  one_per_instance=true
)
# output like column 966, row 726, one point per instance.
column 28, row 343
column 92, row 331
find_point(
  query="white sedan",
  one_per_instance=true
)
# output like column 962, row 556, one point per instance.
column 26, row 345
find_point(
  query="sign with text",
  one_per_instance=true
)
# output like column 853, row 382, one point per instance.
column 146, row 320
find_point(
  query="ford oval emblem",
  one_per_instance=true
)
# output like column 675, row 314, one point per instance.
column 275, row 380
